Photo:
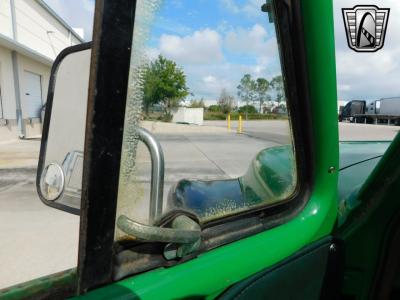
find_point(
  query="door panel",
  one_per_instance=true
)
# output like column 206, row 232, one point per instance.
column 33, row 94
column 301, row 272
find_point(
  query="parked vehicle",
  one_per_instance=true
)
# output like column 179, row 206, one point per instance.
column 334, row 233
column 385, row 110
column 351, row 110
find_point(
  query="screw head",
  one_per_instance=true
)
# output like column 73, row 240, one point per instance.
column 331, row 170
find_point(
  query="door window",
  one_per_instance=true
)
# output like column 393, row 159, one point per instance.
column 206, row 82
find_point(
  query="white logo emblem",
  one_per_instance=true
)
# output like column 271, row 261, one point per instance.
column 365, row 27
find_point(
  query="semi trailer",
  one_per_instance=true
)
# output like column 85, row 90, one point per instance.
column 384, row 110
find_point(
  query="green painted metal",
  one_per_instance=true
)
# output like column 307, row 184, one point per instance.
column 320, row 46
column 357, row 151
column 42, row 287
column 215, row 270
column 270, row 178
column 357, row 161
column 366, row 228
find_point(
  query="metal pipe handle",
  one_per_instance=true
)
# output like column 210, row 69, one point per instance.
column 157, row 173
column 191, row 233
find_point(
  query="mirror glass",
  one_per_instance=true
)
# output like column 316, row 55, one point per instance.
column 60, row 168
column 52, row 182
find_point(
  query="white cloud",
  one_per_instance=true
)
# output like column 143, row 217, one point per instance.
column 250, row 8
column 253, row 8
column 152, row 53
column 251, row 41
column 171, row 26
column 212, row 85
column 257, row 43
column 208, row 80
column 215, row 60
column 202, row 47
column 231, row 6
column 344, row 87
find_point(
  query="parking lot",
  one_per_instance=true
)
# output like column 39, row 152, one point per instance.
column 38, row 240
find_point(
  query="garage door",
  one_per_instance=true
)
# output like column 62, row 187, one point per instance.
column 33, row 95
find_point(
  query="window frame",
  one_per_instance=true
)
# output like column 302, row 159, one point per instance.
column 234, row 227
column 101, row 173
column 109, row 72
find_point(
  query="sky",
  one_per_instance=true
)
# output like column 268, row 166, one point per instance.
column 217, row 41
column 77, row 13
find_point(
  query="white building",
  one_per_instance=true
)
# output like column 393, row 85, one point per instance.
column 31, row 36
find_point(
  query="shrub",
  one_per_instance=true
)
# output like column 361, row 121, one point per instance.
column 214, row 116
column 249, row 109
column 214, row 108
column 166, row 117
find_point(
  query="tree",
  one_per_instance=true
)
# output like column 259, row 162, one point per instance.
column 246, row 89
column 262, row 87
column 226, row 102
column 248, row 109
column 214, row 108
column 197, row 103
column 277, row 85
column 164, row 83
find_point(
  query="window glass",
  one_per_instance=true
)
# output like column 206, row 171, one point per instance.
column 206, row 82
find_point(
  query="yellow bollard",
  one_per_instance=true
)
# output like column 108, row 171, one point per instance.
column 229, row 121
column 239, row 129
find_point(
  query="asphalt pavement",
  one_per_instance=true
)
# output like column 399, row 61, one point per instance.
column 278, row 130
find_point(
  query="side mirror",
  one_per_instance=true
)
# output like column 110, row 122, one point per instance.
column 59, row 173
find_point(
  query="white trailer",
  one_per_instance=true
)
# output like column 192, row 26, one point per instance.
column 385, row 110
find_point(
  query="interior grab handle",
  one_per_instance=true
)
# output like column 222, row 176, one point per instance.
column 184, row 231
column 157, row 173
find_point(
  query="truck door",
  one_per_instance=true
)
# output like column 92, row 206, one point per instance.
column 244, row 249
column 251, row 213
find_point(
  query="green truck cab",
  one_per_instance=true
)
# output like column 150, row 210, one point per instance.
column 317, row 219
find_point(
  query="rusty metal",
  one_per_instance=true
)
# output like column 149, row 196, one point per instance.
column 176, row 235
